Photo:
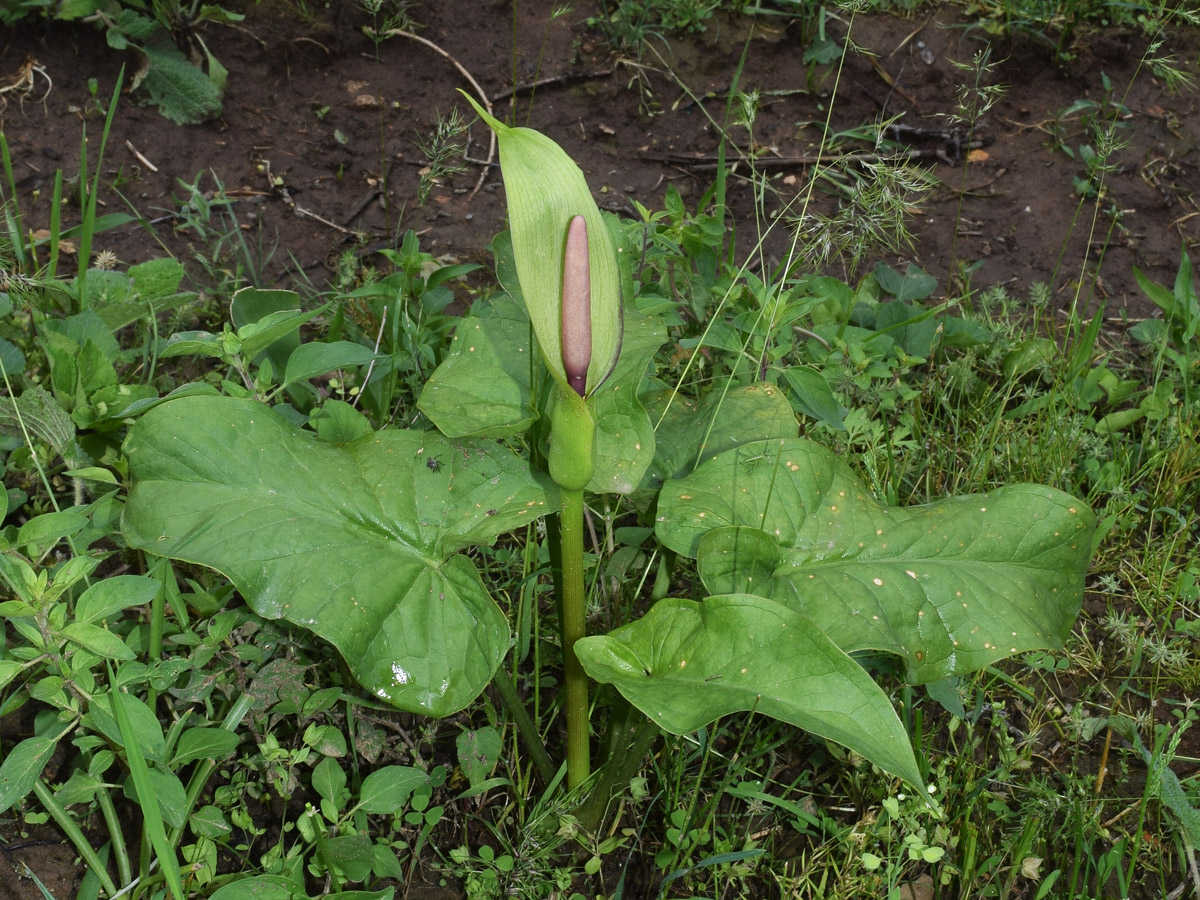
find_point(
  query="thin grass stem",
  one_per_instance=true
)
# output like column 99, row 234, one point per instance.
column 75, row 835
column 117, row 835
column 525, row 726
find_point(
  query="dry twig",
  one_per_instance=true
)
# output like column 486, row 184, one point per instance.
column 487, row 104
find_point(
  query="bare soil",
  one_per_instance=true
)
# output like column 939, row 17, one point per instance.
column 318, row 137
column 317, row 144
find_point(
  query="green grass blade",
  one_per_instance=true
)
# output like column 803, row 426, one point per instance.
column 151, row 814
column 13, row 217
column 1081, row 355
column 75, row 835
column 32, row 876
column 89, row 214
column 55, row 224
column 720, row 859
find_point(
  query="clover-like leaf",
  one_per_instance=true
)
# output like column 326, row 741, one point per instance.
column 950, row 587
column 354, row 542
column 685, row 663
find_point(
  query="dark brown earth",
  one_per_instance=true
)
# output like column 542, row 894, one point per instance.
column 318, row 135
column 45, row 855
column 317, row 144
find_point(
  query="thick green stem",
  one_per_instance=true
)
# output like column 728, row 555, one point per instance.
column 574, row 609
column 629, row 740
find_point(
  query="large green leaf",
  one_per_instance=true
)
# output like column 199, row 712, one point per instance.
column 625, row 439
column 481, row 389
column 689, row 433
column 684, row 664
column 352, row 541
column 951, row 586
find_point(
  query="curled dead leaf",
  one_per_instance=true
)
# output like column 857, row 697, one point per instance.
column 43, row 234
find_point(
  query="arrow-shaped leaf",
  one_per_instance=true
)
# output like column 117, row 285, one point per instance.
column 951, row 586
column 684, row 664
column 353, row 542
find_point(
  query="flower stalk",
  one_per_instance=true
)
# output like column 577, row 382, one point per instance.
column 572, row 440
column 574, row 627
column 567, row 265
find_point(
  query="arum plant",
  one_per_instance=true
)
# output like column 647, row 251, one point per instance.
column 356, row 533
column 569, row 276
column 572, row 446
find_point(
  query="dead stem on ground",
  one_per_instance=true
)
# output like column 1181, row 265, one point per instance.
column 22, row 82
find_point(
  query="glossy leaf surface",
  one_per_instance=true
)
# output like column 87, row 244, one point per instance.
column 685, row 663
column 354, row 542
column 950, row 587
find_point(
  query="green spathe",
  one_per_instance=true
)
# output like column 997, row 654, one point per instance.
column 545, row 191
column 572, row 442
